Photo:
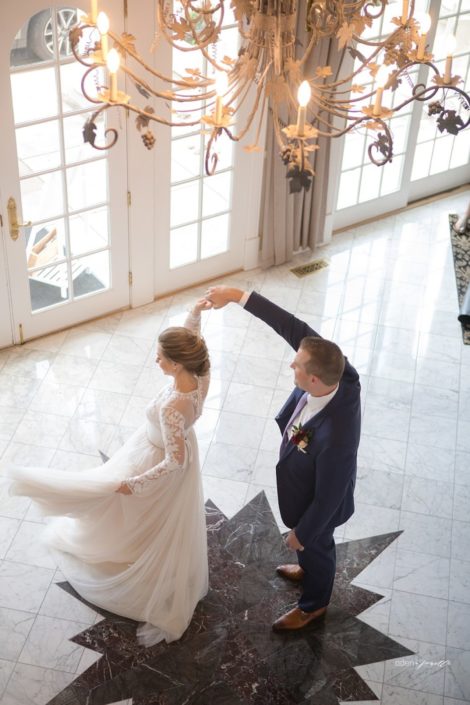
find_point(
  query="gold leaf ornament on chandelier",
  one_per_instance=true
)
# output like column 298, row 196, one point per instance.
column 270, row 71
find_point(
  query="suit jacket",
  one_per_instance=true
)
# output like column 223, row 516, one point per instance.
column 315, row 489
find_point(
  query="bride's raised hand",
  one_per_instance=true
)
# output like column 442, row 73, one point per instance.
column 202, row 305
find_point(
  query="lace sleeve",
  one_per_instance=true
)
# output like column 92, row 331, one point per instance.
column 173, row 425
column 193, row 321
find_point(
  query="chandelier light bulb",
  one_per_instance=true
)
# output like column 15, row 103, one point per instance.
column 450, row 44
column 304, row 94
column 424, row 25
column 424, row 19
column 221, row 83
column 221, row 86
column 102, row 22
column 112, row 62
column 381, row 76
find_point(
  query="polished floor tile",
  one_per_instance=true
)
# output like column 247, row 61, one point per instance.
column 65, row 397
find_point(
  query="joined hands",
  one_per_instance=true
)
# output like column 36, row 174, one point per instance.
column 220, row 296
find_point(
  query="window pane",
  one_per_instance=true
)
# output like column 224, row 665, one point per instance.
column 87, row 185
column 370, row 182
column 70, row 78
column 215, row 236
column 391, row 177
column 441, row 154
column 422, row 160
column 183, row 245
column 90, row 273
column 216, row 193
column 399, row 127
column 353, row 150
column 45, row 243
column 38, row 147
column 185, row 158
column 34, row 95
column 76, row 149
column 189, row 195
column 427, row 128
column 89, row 231
column 348, row 187
column 223, row 147
column 461, row 150
column 48, row 286
column 42, row 197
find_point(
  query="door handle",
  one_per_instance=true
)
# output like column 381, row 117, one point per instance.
column 13, row 219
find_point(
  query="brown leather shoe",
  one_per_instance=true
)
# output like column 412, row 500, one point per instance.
column 297, row 619
column 290, row 571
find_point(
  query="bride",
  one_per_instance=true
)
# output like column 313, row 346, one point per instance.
column 130, row 535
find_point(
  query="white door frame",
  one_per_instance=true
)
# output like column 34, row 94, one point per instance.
column 13, row 16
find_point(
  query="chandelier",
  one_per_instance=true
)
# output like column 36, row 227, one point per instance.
column 267, row 71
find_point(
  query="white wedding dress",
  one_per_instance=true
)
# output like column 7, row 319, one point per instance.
column 143, row 555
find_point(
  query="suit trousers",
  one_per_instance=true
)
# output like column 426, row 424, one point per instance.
column 318, row 560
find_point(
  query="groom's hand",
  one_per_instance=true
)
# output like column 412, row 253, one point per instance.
column 293, row 542
column 220, row 296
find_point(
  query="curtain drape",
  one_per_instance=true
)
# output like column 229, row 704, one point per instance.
column 289, row 222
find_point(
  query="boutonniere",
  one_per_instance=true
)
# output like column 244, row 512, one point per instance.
column 300, row 437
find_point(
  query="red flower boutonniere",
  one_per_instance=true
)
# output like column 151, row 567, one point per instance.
column 300, row 437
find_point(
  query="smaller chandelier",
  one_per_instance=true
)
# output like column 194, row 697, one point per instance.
column 268, row 71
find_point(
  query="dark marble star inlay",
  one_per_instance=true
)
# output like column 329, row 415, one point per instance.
column 229, row 655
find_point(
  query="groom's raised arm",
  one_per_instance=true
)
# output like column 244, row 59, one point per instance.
column 292, row 329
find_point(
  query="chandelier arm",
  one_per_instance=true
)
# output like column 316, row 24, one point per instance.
column 74, row 45
column 109, row 130
column 368, row 42
column 214, row 157
column 156, row 118
column 313, row 41
column 432, row 90
column 91, row 68
column 165, row 95
column 136, row 56
column 198, row 45
column 250, row 118
column 373, row 16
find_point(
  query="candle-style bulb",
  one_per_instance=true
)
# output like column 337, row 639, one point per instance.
column 424, row 19
column 450, row 44
column 112, row 61
column 304, row 94
column 102, row 22
column 381, row 77
column 221, row 83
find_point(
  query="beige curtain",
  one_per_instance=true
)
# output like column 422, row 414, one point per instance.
column 292, row 221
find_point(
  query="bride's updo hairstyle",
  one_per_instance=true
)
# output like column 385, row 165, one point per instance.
column 186, row 348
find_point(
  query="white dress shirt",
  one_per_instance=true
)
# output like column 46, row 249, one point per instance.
column 313, row 406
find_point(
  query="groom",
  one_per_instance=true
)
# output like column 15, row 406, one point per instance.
column 316, row 472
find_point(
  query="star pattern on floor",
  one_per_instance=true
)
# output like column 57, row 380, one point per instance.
column 229, row 655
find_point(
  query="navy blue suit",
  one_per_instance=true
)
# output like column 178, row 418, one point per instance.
column 315, row 488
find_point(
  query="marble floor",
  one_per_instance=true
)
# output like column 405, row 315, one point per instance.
column 389, row 299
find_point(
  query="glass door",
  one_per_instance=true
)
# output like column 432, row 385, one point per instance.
column 425, row 161
column 203, row 228
column 67, row 260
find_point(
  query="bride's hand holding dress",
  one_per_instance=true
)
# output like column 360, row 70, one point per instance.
column 130, row 535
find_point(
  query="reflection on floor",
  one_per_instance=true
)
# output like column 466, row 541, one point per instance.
column 229, row 655
column 388, row 298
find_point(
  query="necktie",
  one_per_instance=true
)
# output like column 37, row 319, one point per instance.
column 300, row 405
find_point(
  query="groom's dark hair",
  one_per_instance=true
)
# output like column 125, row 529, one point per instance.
column 326, row 359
